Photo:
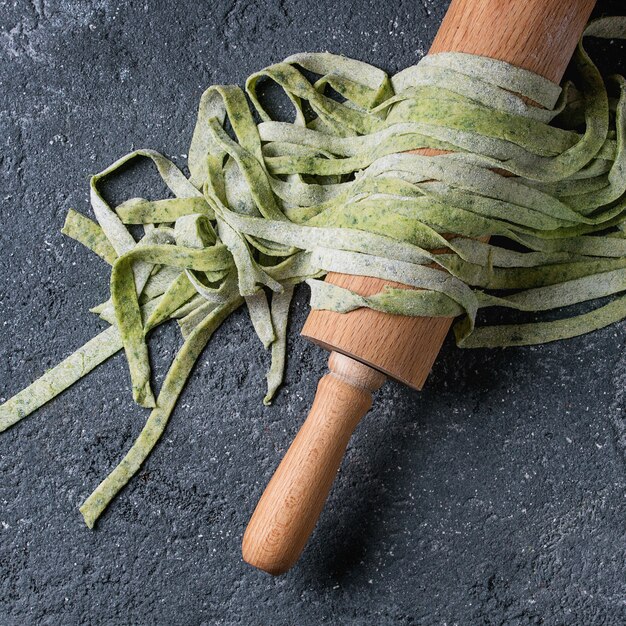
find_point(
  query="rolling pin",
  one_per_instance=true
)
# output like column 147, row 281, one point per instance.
column 366, row 345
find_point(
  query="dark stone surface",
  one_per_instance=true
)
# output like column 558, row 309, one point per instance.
column 495, row 496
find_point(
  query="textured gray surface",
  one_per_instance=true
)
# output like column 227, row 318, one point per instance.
column 495, row 496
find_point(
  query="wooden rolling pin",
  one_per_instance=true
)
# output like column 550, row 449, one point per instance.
column 366, row 345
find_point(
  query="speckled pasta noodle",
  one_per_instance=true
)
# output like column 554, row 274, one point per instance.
column 270, row 204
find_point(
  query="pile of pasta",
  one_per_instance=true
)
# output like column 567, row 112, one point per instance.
column 269, row 204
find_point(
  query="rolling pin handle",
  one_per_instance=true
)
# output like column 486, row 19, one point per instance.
column 291, row 504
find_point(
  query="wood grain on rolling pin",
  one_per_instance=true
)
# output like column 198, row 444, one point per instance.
column 538, row 35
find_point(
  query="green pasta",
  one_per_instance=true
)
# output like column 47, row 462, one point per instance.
column 270, row 205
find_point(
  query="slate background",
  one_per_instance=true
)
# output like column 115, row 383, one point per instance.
column 495, row 496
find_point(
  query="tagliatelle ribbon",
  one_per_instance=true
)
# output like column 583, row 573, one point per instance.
column 274, row 204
